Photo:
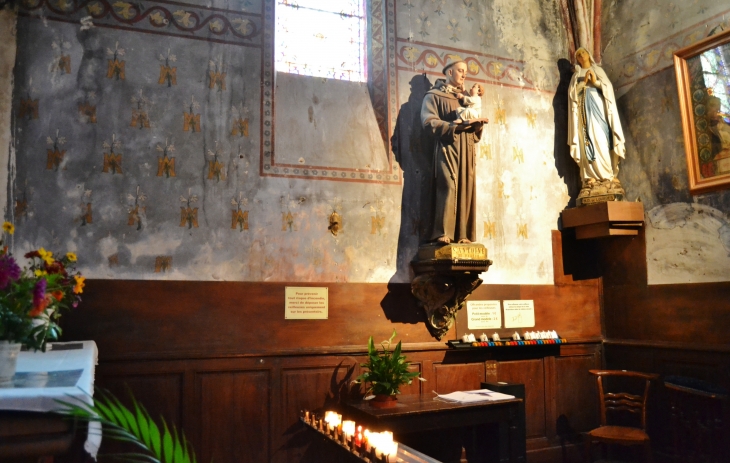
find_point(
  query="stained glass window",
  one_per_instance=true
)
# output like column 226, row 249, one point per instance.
column 716, row 70
column 322, row 38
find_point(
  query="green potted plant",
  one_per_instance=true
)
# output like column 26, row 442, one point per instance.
column 32, row 299
column 387, row 371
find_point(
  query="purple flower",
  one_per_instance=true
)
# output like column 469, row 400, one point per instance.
column 39, row 292
column 9, row 271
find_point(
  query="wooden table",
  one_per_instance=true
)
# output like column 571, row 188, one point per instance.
column 421, row 415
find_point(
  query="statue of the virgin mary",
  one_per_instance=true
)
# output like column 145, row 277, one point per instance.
column 594, row 131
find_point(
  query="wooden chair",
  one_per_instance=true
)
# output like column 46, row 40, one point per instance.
column 621, row 402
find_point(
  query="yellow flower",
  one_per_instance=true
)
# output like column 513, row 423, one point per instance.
column 47, row 256
column 39, row 272
column 71, row 256
column 8, row 228
column 79, row 287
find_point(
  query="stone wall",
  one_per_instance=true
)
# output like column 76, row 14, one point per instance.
column 7, row 63
column 688, row 237
column 261, row 162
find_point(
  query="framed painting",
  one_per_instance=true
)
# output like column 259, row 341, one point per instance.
column 703, row 82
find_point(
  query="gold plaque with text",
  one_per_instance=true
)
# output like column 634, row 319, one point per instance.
column 473, row 251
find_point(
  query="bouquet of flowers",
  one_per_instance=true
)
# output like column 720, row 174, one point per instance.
column 32, row 298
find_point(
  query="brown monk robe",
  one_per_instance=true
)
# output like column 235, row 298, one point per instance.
column 454, row 159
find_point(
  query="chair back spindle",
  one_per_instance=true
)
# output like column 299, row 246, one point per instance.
column 622, row 401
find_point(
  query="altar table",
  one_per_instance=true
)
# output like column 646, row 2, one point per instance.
column 27, row 425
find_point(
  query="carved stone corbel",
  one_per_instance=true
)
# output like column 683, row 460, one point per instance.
column 445, row 277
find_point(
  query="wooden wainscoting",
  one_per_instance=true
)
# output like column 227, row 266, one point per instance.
column 246, row 409
column 673, row 329
column 219, row 361
column 711, row 364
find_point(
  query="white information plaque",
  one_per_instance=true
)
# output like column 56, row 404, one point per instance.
column 484, row 315
column 519, row 314
column 305, row 303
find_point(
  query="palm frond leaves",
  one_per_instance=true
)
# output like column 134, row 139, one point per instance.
column 155, row 443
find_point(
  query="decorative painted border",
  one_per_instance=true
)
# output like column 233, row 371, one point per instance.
column 383, row 86
column 659, row 56
column 377, row 65
column 154, row 17
column 267, row 90
column 430, row 59
column 392, row 80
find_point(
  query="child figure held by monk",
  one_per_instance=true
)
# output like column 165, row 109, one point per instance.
column 471, row 105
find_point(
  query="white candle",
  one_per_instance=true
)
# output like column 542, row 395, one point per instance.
column 332, row 419
column 376, row 440
column 348, row 428
column 382, row 441
column 390, row 449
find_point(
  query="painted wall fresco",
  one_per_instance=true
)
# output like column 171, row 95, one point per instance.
column 512, row 48
column 688, row 237
column 142, row 137
column 640, row 37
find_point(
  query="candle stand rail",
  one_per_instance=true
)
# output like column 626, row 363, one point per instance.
column 359, row 448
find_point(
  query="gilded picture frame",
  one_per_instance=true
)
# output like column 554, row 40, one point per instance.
column 704, row 104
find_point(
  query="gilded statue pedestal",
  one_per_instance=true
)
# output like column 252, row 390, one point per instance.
column 445, row 276
column 596, row 192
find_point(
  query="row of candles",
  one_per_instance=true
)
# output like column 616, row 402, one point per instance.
column 377, row 447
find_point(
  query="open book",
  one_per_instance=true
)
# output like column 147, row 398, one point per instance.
column 478, row 395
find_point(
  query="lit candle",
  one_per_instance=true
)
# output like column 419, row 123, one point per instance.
column 333, row 421
column 348, row 428
column 358, row 437
column 389, row 450
column 366, row 436
column 376, row 441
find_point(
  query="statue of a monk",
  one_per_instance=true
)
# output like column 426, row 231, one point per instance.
column 454, row 160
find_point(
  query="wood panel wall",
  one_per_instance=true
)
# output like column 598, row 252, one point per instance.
column 218, row 360
column 676, row 329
